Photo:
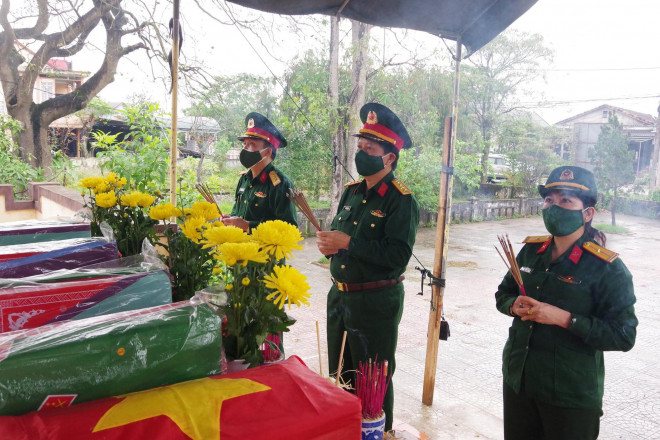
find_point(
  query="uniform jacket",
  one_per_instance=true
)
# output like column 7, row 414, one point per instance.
column 262, row 198
column 564, row 367
column 382, row 223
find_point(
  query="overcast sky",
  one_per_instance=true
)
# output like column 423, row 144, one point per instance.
column 606, row 52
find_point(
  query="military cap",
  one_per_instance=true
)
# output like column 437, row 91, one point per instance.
column 382, row 125
column 259, row 127
column 574, row 179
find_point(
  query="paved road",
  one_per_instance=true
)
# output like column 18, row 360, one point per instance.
column 467, row 399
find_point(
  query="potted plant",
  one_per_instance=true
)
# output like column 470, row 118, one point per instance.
column 257, row 285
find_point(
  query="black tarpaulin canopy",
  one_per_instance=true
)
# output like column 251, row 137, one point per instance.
column 476, row 22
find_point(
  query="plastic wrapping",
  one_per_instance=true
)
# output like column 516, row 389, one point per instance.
column 281, row 401
column 124, row 284
column 30, row 231
column 38, row 258
column 107, row 355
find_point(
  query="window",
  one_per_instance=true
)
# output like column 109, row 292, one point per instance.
column 47, row 90
column 606, row 114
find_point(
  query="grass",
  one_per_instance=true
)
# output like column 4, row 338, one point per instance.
column 611, row 229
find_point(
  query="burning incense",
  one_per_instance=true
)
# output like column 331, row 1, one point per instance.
column 371, row 385
column 318, row 344
column 208, row 196
column 341, row 358
column 299, row 200
column 510, row 261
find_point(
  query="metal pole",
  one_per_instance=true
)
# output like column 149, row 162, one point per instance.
column 441, row 241
column 175, row 90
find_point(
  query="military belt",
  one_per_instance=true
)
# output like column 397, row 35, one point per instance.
column 357, row 287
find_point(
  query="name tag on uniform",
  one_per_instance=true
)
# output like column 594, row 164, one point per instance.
column 526, row 269
column 347, row 208
column 242, row 189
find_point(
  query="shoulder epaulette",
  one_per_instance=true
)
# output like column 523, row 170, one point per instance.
column 403, row 189
column 275, row 178
column 600, row 252
column 537, row 239
column 353, row 183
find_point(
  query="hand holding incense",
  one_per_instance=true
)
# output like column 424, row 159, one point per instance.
column 510, row 261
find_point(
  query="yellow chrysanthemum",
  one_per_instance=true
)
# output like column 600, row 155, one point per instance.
column 106, row 200
column 90, row 182
column 233, row 253
column 289, row 285
column 217, row 235
column 278, row 238
column 245, row 281
column 164, row 211
column 205, row 209
column 115, row 181
column 229, row 286
column 192, row 228
column 137, row 198
column 103, row 187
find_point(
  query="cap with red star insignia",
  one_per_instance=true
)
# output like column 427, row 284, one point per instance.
column 259, row 127
column 382, row 125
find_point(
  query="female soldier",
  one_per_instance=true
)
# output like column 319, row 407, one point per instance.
column 579, row 303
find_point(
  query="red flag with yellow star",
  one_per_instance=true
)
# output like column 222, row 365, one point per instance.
column 285, row 400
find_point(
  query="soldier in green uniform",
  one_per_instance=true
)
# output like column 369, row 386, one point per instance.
column 579, row 303
column 261, row 193
column 371, row 241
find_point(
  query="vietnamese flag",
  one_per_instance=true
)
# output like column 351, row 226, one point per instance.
column 283, row 401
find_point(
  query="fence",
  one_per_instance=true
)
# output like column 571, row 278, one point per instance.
column 469, row 211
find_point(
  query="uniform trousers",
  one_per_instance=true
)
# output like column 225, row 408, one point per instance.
column 526, row 418
column 371, row 319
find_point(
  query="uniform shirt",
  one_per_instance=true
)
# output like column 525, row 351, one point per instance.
column 564, row 367
column 262, row 198
column 382, row 223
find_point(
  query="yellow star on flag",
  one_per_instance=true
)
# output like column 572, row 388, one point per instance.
column 194, row 405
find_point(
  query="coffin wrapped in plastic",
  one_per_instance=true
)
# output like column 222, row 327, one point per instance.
column 30, row 231
column 107, row 355
column 77, row 294
column 23, row 260
column 282, row 401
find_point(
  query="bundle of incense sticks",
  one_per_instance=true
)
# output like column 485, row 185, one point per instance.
column 208, row 196
column 299, row 200
column 510, row 261
column 370, row 386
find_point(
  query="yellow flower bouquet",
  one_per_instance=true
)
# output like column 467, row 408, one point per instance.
column 110, row 201
column 258, row 284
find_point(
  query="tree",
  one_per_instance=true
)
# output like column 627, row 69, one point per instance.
column 62, row 30
column 612, row 161
column 493, row 80
column 529, row 150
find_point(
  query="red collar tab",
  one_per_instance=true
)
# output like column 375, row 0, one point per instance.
column 576, row 253
column 382, row 189
column 384, row 133
column 263, row 134
column 262, row 177
column 544, row 247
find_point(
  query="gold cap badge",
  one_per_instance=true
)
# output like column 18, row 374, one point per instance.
column 566, row 175
column 372, row 118
column 250, row 123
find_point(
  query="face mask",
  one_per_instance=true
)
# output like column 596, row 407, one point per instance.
column 250, row 158
column 560, row 221
column 368, row 165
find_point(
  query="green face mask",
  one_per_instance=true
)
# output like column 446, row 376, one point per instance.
column 560, row 221
column 368, row 165
column 250, row 158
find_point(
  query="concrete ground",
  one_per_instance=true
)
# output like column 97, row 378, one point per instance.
column 468, row 384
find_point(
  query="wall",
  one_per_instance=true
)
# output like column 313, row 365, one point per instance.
column 45, row 201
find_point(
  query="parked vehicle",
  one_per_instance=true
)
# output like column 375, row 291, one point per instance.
column 498, row 168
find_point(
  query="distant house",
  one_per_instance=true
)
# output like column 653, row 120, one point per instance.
column 586, row 126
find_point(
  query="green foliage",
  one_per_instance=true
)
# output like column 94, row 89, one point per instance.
column 12, row 169
column 62, row 168
column 612, row 161
column 611, row 229
column 422, row 174
column 143, row 156
column 656, row 196
column 529, row 149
